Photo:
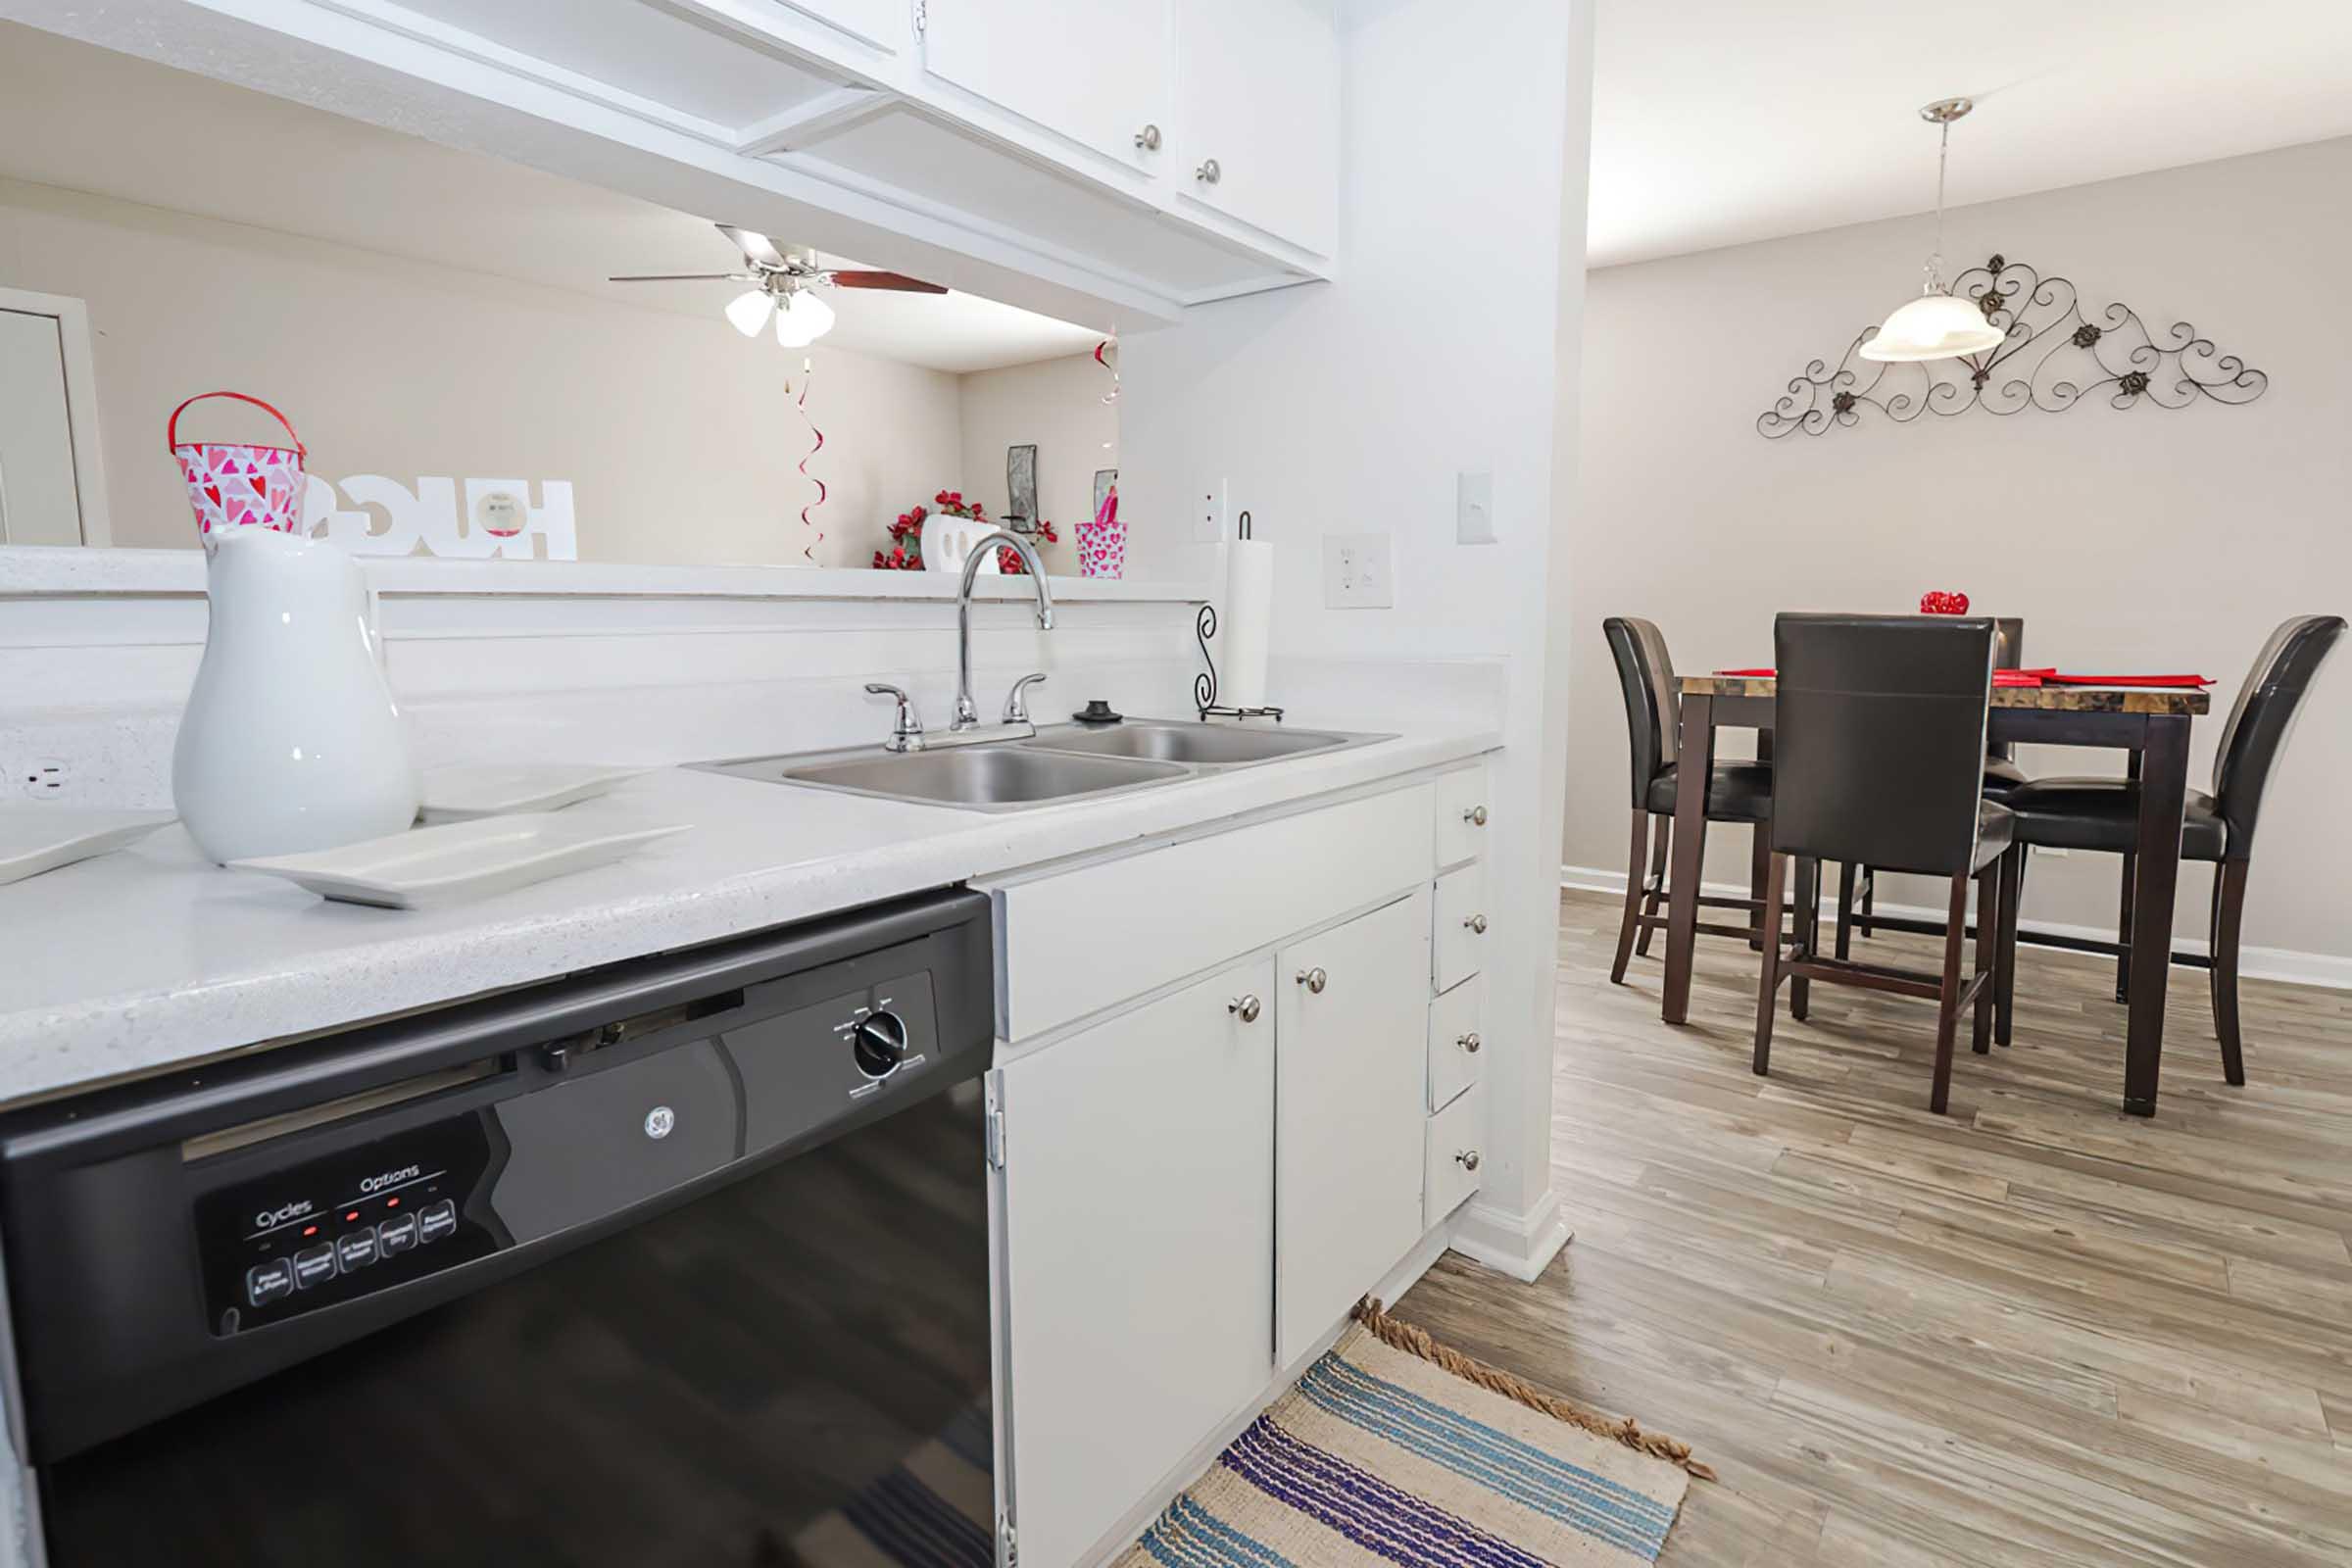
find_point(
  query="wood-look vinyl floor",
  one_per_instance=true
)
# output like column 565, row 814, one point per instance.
column 2033, row 1332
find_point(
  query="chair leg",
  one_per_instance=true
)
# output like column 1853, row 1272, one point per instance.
column 1988, row 948
column 1948, row 1003
column 1769, row 981
column 2123, row 932
column 1636, row 874
column 1845, row 911
column 1759, row 853
column 1807, row 933
column 1657, row 856
column 2004, row 981
column 1870, row 901
column 2228, row 908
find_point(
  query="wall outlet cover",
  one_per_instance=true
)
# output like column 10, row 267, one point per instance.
column 1208, row 512
column 1357, row 573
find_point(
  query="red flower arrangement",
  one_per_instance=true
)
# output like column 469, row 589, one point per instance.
column 1010, row 563
column 905, row 551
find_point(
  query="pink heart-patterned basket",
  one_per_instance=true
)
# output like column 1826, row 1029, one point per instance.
column 236, row 484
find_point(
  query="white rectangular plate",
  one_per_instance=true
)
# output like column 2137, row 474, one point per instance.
column 42, row 838
column 458, row 861
column 464, row 791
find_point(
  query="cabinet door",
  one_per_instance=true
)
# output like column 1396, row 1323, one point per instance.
column 1097, row 72
column 1258, row 94
column 1350, row 1071
column 877, row 21
column 1138, row 1244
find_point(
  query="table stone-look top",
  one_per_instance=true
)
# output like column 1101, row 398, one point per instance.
column 153, row 958
column 2047, row 699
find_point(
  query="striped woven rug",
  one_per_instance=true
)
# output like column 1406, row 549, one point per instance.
column 1393, row 1449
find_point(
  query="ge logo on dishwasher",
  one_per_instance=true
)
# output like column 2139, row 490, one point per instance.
column 659, row 1121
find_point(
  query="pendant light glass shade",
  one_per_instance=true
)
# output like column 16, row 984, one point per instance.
column 1934, row 326
column 747, row 312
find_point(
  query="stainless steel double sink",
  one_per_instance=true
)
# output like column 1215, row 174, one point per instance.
column 1060, row 763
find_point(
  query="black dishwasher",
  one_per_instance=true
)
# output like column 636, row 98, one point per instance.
column 678, row 1262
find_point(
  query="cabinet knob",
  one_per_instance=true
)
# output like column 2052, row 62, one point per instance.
column 1467, row 1159
column 1147, row 138
column 1476, row 816
column 1477, row 924
column 1470, row 1043
column 1208, row 174
column 1246, row 1007
column 1314, row 980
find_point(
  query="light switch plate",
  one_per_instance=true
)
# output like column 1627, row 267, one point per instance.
column 1474, row 509
column 1208, row 512
column 1357, row 573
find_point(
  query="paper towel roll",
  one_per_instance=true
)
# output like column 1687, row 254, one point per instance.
column 1248, row 623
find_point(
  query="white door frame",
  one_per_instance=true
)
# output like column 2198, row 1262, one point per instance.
column 72, row 319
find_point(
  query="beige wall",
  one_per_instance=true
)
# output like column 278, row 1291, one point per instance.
column 677, row 434
column 2130, row 540
column 1058, row 407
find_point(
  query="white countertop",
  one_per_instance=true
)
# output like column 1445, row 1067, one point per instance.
column 151, row 957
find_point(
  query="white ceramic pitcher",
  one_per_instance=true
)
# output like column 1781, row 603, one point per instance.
column 291, row 741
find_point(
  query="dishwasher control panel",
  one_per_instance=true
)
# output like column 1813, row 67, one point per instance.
column 343, row 1225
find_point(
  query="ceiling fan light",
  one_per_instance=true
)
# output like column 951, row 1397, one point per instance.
column 1934, row 326
column 803, row 319
column 747, row 312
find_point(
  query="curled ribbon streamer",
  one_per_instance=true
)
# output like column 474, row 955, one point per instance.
column 1112, row 396
column 809, row 549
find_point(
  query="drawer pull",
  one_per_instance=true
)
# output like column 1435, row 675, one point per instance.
column 1476, row 816
column 1314, row 980
column 1208, row 174
column 1245, row 1007
column 1477, row 924
column 1467, row 1159
column 1470, row 1043
column 1148, row 139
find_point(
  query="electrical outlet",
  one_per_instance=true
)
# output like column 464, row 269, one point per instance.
column 44, row 778
column 1355, row 572
column 1473, row 509
column 1208, row 513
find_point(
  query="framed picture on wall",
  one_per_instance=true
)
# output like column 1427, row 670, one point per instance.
column 1020, row 484
column 1104, row 479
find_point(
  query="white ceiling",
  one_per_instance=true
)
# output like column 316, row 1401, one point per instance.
column 90, row 119
column 1720, row 122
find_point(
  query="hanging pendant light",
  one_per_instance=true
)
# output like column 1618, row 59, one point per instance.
column 749, row 311
column 1937, row 325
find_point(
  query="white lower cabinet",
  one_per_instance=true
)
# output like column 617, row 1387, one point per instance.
column 1351, row 1053
column 1137, row 1271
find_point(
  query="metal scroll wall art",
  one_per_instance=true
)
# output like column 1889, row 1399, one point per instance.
column 2055, row 355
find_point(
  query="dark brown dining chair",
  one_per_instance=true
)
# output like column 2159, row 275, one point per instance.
column 1736, row 792
column 2103, row 813
column 1878, row 759
column 1857, row 886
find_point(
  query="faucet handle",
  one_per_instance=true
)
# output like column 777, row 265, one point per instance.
column 1016, row 703
column 905, row 726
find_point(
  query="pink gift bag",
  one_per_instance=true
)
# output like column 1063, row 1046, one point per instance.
column 1103, row 543
column 233, row 484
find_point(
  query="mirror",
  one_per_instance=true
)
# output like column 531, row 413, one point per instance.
column 437, row 329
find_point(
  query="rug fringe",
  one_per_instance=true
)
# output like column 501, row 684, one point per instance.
column 1402, row 1335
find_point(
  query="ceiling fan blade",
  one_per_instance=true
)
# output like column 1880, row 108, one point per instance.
column 687, row 277
column 890, row 281
column 757, row 246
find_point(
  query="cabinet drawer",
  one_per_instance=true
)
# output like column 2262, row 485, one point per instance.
column 1458, row 937
column 1452, row 1162
column 1076, row 943
column 1456, row 1048
column 1463, row 815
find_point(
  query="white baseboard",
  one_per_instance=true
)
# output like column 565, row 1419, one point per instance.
column 2326, row 969
column 1521, row 1246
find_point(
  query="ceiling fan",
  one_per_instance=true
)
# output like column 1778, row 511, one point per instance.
column 782, row 282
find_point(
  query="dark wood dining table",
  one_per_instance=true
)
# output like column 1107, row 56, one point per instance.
column 2150, row 722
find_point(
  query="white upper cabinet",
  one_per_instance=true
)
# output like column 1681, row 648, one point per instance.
column 1097, row 72
column 876, row 21
column 1257, row 114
